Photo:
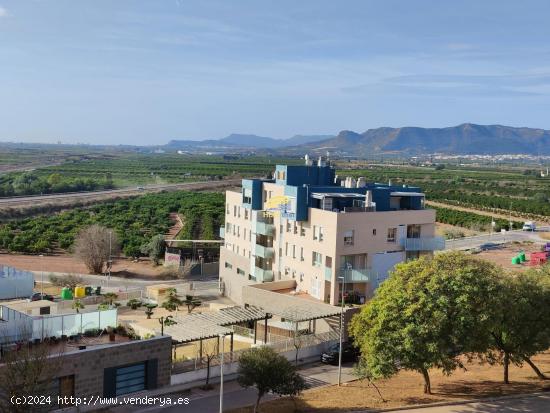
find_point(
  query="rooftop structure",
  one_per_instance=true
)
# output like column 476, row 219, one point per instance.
column 325, row 232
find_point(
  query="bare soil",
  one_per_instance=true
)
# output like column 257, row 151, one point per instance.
column 405, row 389
column 503, row 255
column 65, row 263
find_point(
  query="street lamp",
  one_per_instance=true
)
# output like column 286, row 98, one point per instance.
column 110, row 263
column 348, row 267
column 41, row 278
column 222, row 336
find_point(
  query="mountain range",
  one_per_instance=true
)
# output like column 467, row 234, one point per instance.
column 467, row 138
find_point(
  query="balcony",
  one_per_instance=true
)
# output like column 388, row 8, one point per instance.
column 262, row 275
column 328, row 274
column 265, row 228
column 423, row 244
column 222, row 232
column 357, row 275
column 264, row 252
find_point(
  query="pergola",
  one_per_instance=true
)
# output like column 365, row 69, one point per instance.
column 201, row 326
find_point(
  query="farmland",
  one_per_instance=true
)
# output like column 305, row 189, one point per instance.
column 134, row 220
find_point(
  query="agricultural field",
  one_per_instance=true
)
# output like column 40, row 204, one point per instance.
column 102, row 171
column 135, row 221
column 503, row 190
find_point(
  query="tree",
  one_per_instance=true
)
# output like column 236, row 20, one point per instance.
column 165, row 322
column 426, row 314
column 149, row 310
column 27, row 370
column 191, row 302
column 77, row 305
column 134, row 303
column 210, row 351
column 172, row 301
column 93, row 247
column 521, row 326
column 268, row 371
column 109, row 298
column 154, row 248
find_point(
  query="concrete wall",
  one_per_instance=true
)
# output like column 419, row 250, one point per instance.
column 88, row 365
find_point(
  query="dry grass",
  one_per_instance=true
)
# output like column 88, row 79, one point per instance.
column 405, row 389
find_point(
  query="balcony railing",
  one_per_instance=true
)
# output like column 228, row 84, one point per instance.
column 423, row 244
column 222, row 232
column 262, row 275
column 264, row 252
column 357, row 275
column 360, row 209
column 328, row 274
column 265, row 228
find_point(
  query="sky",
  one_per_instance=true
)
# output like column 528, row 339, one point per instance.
column 147, row 71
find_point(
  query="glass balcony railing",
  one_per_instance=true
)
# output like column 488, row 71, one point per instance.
column 222, row 232
column 357, row 275
column 262, row 275
column 328, row 274
column 264, row 252
column 423, row 244
column 265, row 228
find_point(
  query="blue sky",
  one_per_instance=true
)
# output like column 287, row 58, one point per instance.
column 144, row 72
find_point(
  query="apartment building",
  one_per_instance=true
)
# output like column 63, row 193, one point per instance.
column 324, row 232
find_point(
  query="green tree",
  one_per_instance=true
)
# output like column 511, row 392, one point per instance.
column 521, row 327
column 268, row 371
column 426, row 314
column 191, row 302
column 155, row 248
column 109, row 298
column 77, row 305
column 172, row 301
column 149, row 310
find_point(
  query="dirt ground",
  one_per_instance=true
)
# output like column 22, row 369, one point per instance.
column 68, row 264
column 440, row 229
column 502, row 255
column 405, row 389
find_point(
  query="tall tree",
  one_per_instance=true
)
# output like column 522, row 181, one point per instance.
column 155, row 248
column 521, row 326
column 426, row 314
column 268, row 371
column 94, row 245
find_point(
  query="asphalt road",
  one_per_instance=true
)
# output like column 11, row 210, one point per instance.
column 496, row 238
column 315, row 375
column 11, row 201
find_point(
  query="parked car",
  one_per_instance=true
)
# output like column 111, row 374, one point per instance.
column 39, row 296
column 349, row 353
column 529, row 226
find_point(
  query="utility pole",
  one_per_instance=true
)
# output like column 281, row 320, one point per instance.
column 348, row 267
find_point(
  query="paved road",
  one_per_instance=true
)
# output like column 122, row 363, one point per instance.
column 529, row 404
column 497, row 238
column 235, row 396
column 11, row 201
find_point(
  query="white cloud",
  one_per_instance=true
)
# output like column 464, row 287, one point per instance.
column 3, row 12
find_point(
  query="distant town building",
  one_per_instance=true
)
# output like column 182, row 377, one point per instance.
column 313, row 227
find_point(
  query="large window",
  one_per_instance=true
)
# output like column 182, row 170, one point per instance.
column 247, row 196
column 316, row 259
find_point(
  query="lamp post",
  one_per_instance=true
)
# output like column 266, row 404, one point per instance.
column 348, row 267
column 41, row 278
column 222, row 336
column 109, row 265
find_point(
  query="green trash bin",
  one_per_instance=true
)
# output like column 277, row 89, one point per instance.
column 66, row 293
column 88, row 290
column 522, row 256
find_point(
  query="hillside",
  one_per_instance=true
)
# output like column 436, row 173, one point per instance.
column 467, row 138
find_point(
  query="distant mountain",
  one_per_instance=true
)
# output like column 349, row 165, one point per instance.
column 236, row 140
column 467, row 138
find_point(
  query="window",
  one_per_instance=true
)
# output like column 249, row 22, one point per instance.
column 228, row 265
column 302, row 230
column 239, row 212
column 286, row 249
column 413, row 231
column 349, row 237
column 374, row 232
column 295, row 228
column 234, row 210
column 321, row 234
column 316, row 259
column 315, row 232
column 392, row 234
column 240, row 272
column 288, row 226
column 227, row 210
column 244, row 235
column 301, row 277
column 247, row 196
column 301, row 253
column 293, row 251
column 246, row 213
